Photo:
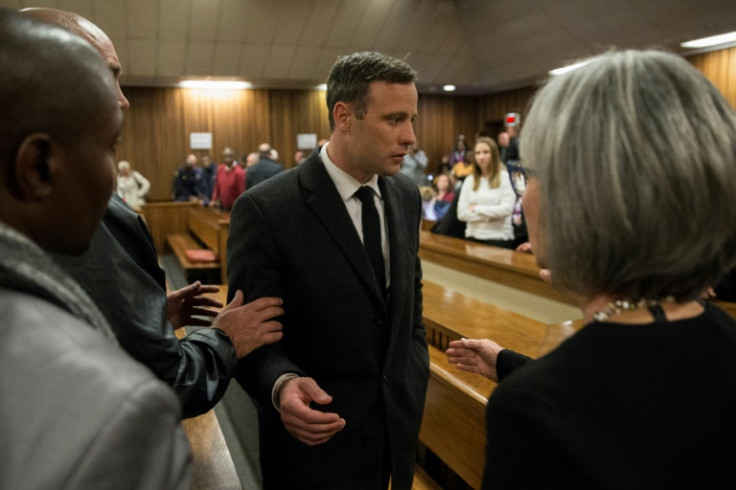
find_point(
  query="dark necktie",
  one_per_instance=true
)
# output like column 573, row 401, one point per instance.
column 372, row 233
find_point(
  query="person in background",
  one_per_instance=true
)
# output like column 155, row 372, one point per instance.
column 249, row 160
column 230, row 182
column 414, row 164
column 120, row 272
column 77, row 411
column 187, row 184
column 457, row 153
column 503, row 146
column 463, row 168
column 299, row 157
column 512, row 152
column 341, row 396
column 207, row 181
column 445, row 194
column 518, row 177
column 643, row 395
column 429, row 199
column 487, row 199
column 265, row 168
column 132, row 186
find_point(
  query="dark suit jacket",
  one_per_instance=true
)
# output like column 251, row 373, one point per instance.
column 292, row 237
column 263, row 169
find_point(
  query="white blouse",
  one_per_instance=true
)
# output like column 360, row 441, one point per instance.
column 491, row 217
column 133, row 189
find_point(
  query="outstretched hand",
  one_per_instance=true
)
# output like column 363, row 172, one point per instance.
column 475, row 356
column 252, row 325
column 187, row 306
column 310, row 426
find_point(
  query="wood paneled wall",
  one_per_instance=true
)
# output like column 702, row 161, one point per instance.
column 157, row 126
column 158, row 123
column 720, row 68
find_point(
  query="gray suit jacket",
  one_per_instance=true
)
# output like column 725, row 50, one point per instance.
column 76, row 412
column 292, row 237
column 263, row 169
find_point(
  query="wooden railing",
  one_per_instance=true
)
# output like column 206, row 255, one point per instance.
column 514, row 269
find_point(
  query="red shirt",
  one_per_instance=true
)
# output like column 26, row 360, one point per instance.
column 229, row 184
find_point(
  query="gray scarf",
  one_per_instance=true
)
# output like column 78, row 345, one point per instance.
column 25, row 267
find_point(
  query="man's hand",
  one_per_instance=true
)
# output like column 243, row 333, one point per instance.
column 185, row 303
column 475, row 356
column 546, row 275
column 525, row 247
column 310, row 426
column 253, row 325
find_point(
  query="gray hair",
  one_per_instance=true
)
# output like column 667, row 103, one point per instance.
column 351, row 76
column 635, row 154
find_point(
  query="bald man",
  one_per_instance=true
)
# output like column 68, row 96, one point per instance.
column 76, row 411
column 265, row 168
column 120, row 272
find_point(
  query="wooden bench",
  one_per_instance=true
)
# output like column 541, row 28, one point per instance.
column 206, row 228
column 213, row 466
column 180, row 243
column 453, row 426
column 515, row 269
column 165, row 218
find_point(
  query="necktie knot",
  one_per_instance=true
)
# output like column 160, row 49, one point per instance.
column 365, row 194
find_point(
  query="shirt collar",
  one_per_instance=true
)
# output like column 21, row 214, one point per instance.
column 346, row 184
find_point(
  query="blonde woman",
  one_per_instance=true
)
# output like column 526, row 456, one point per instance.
column 487, row 199
column 132, row 186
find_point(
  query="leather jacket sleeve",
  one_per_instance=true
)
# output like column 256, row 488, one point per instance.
column 120, row 272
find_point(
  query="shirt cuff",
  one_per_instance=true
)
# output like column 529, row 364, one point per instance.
column 276, row 390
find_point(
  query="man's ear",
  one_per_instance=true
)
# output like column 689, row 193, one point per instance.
column 341, row 114
column 35, row 166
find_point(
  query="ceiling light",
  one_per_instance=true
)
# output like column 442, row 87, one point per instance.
column 565, row 69
column 215, row 84
column 322, row 86
column 449, row 88
column 707, row 42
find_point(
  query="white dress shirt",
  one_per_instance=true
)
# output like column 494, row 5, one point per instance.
column 346, row 187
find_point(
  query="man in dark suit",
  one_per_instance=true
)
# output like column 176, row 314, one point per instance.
column 341, row 396
column 264, row 168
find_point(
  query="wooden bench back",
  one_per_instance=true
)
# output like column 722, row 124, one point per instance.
column 453, row 426
column 514, row 269
column 211, row 227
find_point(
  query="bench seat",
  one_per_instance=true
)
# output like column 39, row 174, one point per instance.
column 180, row 243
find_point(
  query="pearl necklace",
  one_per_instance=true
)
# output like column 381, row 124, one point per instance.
column 621, row 305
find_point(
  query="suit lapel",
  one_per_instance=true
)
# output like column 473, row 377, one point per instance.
column 398, row 239
column 321, row 195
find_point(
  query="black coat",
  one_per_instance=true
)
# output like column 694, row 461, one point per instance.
column 292, row 237
column 263, row 169
column 120, row 272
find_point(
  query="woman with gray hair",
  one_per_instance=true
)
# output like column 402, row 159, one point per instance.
column 631, row 205
column 132, row 186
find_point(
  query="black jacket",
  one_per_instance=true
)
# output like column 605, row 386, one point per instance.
column 121, row 274
column 292, row 237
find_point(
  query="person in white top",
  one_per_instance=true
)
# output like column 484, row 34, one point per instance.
column 487, row 199
column 132, row 186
